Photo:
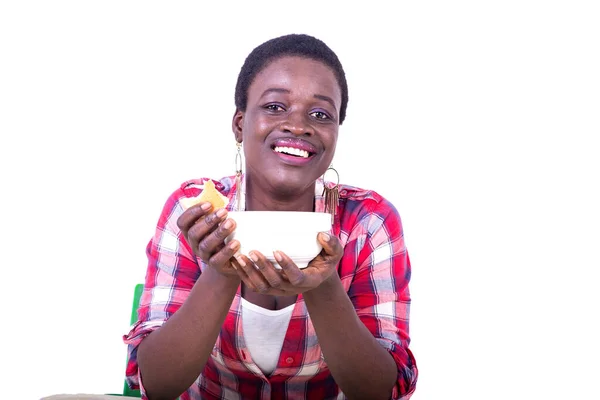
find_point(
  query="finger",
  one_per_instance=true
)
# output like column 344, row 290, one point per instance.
column 241, row 261
column 192, row 215
column 247, row 282
column 250, row 285
column 284, row 275
column 207, row 223
column 199, row 232
column 268, row 270
column 216, row 237
column 331, row 245
column 294, row 275
column 224, row 256
column 257, row 280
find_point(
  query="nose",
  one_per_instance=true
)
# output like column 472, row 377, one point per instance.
column 297, row 124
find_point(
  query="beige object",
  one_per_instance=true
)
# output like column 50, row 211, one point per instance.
column 209, row 194
column 292, row 232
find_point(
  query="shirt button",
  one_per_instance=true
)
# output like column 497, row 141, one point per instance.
column 289, row 360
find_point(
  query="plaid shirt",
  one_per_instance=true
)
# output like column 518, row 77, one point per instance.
column 374, row 270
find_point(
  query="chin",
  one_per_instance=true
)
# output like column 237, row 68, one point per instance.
column 291, row 184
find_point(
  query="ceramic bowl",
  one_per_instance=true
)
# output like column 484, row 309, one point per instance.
column 292, row 232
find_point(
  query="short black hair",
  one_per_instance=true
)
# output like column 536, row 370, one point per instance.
column 289, row 45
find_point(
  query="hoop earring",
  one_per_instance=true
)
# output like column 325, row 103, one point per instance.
column 238, row 175
column 332, row 194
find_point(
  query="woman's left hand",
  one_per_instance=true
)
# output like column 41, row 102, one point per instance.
column 260, row 275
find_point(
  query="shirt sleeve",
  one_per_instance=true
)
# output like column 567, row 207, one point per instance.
column 379, row 289
column 172, row 271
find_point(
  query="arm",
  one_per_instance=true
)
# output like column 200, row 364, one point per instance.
column 172, row 357
column 182, row 308
column 361, row 311
column 361, row 367
column 376, row 263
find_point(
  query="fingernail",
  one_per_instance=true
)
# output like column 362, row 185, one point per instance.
column 254, row 257
column 221, row 212
column 277, row 256
column 240, row 261
column 326, row 236
column 227, row 224
column 206, row 206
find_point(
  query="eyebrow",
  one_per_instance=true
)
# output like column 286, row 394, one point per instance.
column 317, row 96
column 327, row 99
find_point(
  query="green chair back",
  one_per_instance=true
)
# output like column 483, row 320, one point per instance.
column 137, row 294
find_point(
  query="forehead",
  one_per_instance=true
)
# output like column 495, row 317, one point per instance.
column 297, row 74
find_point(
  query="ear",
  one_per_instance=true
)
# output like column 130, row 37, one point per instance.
column 236, row 125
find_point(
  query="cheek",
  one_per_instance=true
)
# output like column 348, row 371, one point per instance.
column 256, row 127
column 332, row 138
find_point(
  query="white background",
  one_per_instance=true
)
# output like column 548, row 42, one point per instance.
column 476, row 119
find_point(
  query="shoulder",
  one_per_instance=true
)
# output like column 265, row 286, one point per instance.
column 371, row 232
column 366, row 213
column 361, row 201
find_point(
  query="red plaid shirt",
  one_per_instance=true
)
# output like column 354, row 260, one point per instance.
column 375, row 271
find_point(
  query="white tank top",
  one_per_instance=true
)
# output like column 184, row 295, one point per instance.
column 264, row 332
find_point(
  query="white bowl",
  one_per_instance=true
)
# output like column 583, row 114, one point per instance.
column 291, row 232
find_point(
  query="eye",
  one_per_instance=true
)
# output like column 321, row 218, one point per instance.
column 321, row 115
column 274, row 107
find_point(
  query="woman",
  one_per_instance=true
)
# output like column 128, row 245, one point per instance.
column 341, row 323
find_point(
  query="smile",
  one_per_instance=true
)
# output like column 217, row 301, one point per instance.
column 292, row 151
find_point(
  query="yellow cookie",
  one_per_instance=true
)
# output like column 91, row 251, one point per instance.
column 209, row 194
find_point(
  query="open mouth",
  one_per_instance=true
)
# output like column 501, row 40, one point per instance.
column 292, row 151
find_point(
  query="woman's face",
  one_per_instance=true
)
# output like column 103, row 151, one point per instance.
column 290, row 126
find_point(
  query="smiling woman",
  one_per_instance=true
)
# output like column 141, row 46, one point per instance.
column 215, row 323
column 289, row 128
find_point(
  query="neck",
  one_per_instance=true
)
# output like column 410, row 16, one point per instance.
column 266, row 198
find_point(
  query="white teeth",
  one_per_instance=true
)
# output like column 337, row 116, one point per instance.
column 293, row 151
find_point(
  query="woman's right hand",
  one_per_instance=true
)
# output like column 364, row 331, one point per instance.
column 205, row 232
